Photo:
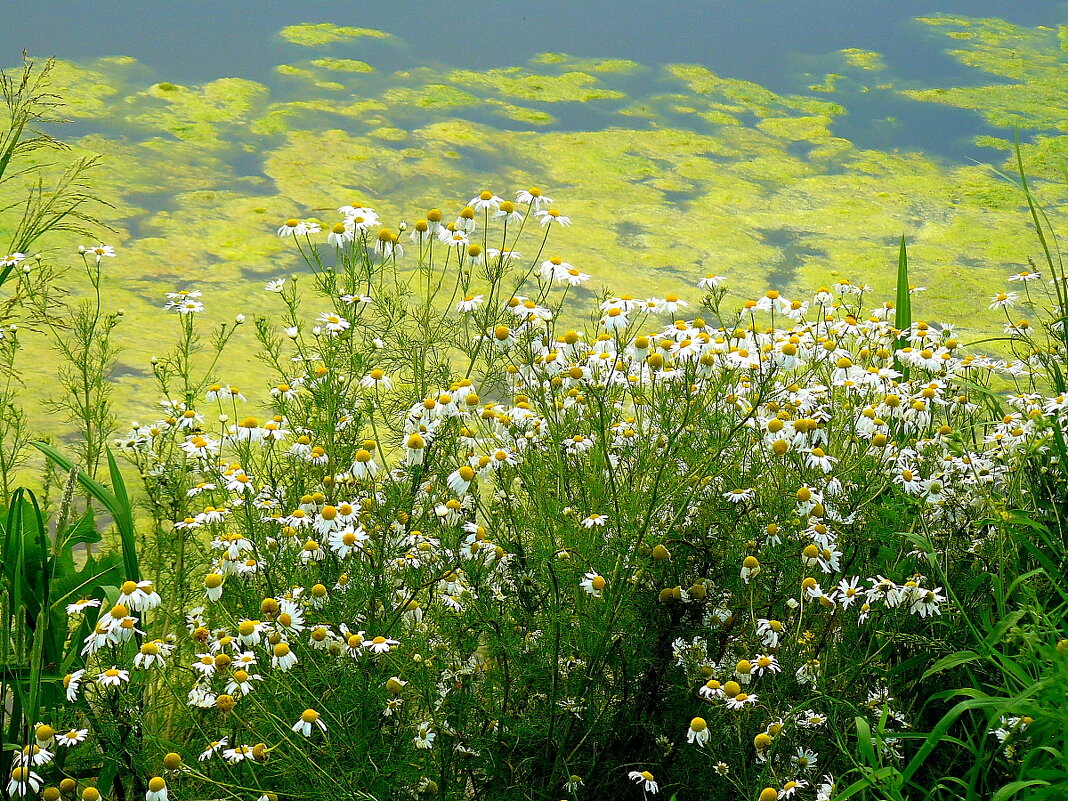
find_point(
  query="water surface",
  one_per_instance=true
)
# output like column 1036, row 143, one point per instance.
column 781, row 143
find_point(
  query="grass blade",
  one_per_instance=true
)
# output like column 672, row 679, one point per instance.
column 903, row 304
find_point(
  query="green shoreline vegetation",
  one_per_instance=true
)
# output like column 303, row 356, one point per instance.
column 416, row 507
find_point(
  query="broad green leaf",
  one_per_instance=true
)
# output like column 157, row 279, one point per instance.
column 117, row 502
column 952, row 661
column 1011, row 789
column 864, row 742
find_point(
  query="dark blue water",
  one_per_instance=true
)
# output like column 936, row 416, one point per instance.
column 196, row 40
column 771, row 42
column 759, row 40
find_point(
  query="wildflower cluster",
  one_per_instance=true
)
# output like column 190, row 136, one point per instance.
column 467, row 546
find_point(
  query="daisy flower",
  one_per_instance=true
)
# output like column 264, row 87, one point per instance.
column 352, row 300
column 340, row 235
column 307, row 722
column 35, row 754
column 469, row 303
column 359, row 218
column 804, row 759
column 205, row 665
column 113, row 677
column 333, row 323
column 811, row 719
column 153, row 652
column 238, row 754
column 139, row 596
column 44, row 735
column 380, row 645
column 282, row 657
column 644, row 778
column 240, row 683
column 750, row 568
column 376, row 379
column 765, row 663
column 571, row 276
column 295, row 227
column 363, row 465
column 817, row 459
column 671, row 304
column 424, row 738
column 1003, row 300
column 614, row 320
column 593, row 584
column 327, row 521
column 508, row 213
column 312, row 552
column 213, row 748
column 459, row 481
column 213, row 586
column 849, row 591
column 386, row 245
column 549, row 216
column 711, row 689
column 741, row 700
column 186, row 306
column 82, row 605
column 698, row 733
column 486, row 201
column 926, row 602
column 97, row 251
column 157, row 789
column 533, row 197
column 415, row 447
column 739, row 495
column 23, row 782
column 71, row 683
column 790, row 788
column 72, row 737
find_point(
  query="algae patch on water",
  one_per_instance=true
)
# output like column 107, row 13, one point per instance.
column 1031, row 65
column 863, row 59
column 342, row 65
column 573, row 87
column 206, row 114
column 324, row 33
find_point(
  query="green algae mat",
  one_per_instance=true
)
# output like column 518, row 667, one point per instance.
column 669, row 173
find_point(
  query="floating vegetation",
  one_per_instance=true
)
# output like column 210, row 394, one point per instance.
column 1030, row 63
column 342, row 65
column 324, row 33
column 671, row 168
column 567, row 87
column 863, row 59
